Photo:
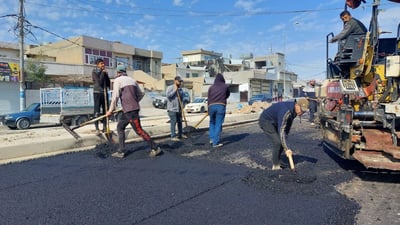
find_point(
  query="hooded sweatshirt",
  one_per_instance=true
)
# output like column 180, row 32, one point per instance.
column 281, row 114
column 219, row 91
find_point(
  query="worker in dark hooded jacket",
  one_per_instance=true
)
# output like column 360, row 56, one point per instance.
column 218, row 93
column 276, row 122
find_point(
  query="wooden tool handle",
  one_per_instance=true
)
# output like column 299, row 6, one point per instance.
column 289, row 154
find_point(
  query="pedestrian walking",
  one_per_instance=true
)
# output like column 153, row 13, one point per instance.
column 276, row 121
column 129, row 93
column 174, row 95
column 100, row 93
column 218, row 93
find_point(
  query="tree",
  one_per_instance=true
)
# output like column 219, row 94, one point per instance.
column 35, row 71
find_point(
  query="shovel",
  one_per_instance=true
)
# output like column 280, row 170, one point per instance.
column 183, row 112
column 189, row 129
column 76, row 135
column 108, row 133
column 289, row 155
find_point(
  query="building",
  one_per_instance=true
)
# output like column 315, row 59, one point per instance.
column 70, row 62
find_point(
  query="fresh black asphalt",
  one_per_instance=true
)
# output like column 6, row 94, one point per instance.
column 92, row 188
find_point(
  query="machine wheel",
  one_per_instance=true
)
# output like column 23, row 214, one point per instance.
column 23, row 123
column 202, row 110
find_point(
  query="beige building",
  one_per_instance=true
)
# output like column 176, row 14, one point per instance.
column 77, row 56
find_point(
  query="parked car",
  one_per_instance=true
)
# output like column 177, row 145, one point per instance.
column 198, row 105
column 161, row 101
column 23, row 119
column 261, row 98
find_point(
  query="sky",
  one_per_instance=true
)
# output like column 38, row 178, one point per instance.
column 231, row 27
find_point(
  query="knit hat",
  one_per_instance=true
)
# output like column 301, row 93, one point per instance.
column 178, row 78
column 121, row 68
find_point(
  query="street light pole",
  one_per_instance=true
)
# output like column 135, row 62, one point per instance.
column 21, row 57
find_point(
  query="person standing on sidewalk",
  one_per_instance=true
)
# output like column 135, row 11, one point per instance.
column 100, row 92
column 218, row 93
column 276, row 122
column 128, row 91
column 174, row 95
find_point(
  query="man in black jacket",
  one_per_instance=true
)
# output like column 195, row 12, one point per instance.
column 276, row 122
column 100, row 92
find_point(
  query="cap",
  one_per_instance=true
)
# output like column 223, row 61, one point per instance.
column 178, row 78
column 121, row 68
column 303, row 103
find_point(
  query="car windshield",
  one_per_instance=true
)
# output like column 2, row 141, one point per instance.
column 199, row 100
column 30, row 108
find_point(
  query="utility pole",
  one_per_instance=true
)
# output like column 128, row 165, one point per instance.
column 21, row 21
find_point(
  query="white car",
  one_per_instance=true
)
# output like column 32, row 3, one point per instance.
column 198, row 105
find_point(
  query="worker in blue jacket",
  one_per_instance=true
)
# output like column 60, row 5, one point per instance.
column 276, row 122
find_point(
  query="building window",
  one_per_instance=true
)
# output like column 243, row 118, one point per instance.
column 122, row 60
column 137, row 65
column 187, row 75
column 195, row 75
column 91, row 55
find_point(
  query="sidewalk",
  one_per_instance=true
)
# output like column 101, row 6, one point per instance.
column 20, row 145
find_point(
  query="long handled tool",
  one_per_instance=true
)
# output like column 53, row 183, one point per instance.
column 181, row 105
column 74, row 134
column 289, row 154
column 189, row 129
column 108, row 133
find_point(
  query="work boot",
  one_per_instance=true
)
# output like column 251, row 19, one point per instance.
column 155, row 152
column 276, row 167
column 118, row 154
column 175, row 139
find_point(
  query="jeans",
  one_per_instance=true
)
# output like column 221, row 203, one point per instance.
column 313, row 109
column 217, row 116
column 271, row 131
column 175, row 121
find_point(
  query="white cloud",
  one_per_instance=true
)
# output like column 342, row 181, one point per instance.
column 248, row 5
column 148, row 17
column 178, row 2
column 226, row 28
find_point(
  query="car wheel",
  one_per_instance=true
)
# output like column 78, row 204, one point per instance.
column 23, row 123
column 81, row 119
column 202, row 110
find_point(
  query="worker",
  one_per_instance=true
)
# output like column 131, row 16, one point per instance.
column 175, row 109
column 101, row 84
column 218, row 93
column 350, row 26
column 309, row 93
column 128, row 91
column 276, row 122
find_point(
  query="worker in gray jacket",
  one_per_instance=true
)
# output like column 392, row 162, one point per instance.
column 350, row 26
column 174, row 95
column 127, row 90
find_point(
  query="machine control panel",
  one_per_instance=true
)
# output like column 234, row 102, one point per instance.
column 349, row 86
